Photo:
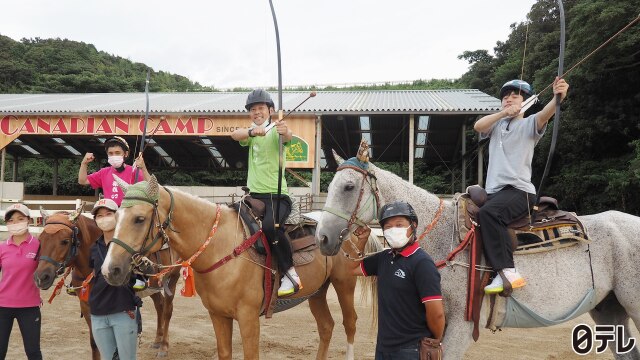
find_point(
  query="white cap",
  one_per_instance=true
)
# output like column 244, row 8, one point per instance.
column 16, row 207
column 104, row 203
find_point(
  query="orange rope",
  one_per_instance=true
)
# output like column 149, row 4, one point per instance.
column 56, row 290
column 187, row 263
column 206, row 242
column 434, row 222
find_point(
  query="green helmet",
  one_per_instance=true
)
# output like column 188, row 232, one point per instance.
column 258, row 96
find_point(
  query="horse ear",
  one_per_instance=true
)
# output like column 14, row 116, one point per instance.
column 363, row 151
column 74, row 215
column 152, row 187
column 45, row 214
column 338, row 158
column 123, row 184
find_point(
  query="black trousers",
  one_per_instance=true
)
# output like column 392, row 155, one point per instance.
column 29, row 323
column 279, row 244
column 500, row 209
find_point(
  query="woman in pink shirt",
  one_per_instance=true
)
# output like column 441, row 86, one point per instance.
column 19, row 296
column 117, row 150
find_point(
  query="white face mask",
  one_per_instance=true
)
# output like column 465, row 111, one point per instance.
column 106, row 223
column 397, row 237
column 116, row 161
column 18, row 229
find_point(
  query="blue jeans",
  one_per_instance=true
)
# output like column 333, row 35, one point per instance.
column 408, row 353
column 116, row 332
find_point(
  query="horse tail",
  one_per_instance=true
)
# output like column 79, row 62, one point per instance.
column 369, row 284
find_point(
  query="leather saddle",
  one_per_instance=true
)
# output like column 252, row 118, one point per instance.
column 545, row 222
column 301, row 236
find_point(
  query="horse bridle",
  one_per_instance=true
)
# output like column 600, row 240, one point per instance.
column 160, row 233
column 354, row 217
column 71, row 253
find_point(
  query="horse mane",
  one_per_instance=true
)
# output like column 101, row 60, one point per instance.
column 401, row 188
column 204, row 204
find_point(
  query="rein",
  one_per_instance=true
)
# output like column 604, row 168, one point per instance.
column 436, row 217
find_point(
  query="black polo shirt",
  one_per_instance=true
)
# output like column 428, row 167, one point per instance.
column 105, row 299
column 406, row 280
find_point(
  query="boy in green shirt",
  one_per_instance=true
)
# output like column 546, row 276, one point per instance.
column 262, row 180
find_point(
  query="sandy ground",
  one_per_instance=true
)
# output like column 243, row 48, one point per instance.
column 288, row 335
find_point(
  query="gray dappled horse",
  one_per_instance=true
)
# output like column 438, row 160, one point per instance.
column 557, row 281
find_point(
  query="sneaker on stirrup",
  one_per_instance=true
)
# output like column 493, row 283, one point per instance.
column 139, row 285
column 514, row 277
column 287, row 286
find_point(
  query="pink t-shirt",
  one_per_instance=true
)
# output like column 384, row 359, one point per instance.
column 18, row 263
column 103, row 178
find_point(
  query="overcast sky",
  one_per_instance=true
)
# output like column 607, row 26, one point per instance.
column 232, row 43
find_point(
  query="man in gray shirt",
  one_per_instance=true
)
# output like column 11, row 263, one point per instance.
column 511, row 193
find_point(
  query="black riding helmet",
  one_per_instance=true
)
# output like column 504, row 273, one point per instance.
column 259, row 96
column 398, row 208
column 116, row 141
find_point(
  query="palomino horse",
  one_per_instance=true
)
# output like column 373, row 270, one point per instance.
column 557, row 281
column 233, row 290
column 66, row 241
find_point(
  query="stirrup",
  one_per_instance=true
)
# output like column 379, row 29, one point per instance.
column 296, row 287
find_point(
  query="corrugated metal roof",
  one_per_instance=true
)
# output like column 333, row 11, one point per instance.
column 326, row 102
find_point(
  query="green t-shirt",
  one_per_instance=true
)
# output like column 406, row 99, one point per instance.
column 263, row 164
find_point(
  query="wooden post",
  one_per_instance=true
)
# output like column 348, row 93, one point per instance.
column 16, row 160
column 480, row 165
column 411, row 146
column 4, row 156
column 55, row 177
column 463, row 186
column 315, row 176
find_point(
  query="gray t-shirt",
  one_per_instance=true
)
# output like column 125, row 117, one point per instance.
column 511, row 152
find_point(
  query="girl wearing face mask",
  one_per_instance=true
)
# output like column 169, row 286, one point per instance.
column 117, row 150
column 19, row 296
column 113, row 308
column 409, row 297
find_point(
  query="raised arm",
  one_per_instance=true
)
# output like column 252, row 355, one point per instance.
column 559, row 87
column 82, row 173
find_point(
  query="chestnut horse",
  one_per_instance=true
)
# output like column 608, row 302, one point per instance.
column 66, row 241
column 234, row 290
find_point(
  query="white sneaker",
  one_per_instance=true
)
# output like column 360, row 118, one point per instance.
column 497, row 286
column 287, row 287
column 139, row 285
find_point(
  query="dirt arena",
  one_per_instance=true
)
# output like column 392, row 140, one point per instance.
column 288, row 335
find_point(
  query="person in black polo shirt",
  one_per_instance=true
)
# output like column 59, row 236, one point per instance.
column 409, row 297
column 113, row 308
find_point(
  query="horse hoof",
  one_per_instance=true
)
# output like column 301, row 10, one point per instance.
column 162, row 354
column 155, row 345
